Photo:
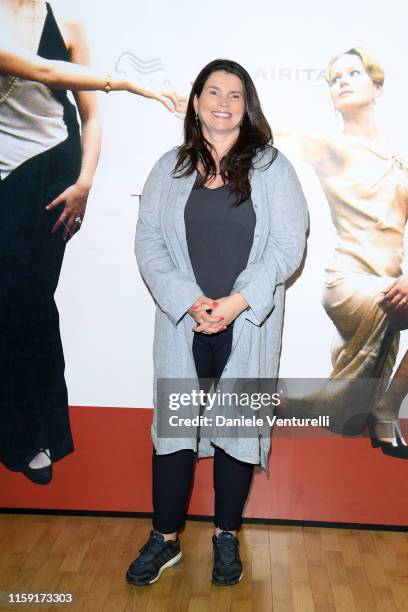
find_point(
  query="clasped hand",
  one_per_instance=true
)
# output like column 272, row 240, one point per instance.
column 223, row 312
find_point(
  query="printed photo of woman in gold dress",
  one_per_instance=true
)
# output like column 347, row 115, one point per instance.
column 366, row 293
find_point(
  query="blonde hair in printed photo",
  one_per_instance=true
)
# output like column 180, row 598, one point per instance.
column 371, row 65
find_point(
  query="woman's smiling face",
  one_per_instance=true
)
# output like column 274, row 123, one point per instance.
column 221, row 105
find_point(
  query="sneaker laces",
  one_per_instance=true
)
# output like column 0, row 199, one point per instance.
column 153, row 546
column 227, row 546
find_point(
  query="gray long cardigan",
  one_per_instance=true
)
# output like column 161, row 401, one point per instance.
column 163, row 259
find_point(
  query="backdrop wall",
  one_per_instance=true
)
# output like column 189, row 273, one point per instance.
column 105, row 310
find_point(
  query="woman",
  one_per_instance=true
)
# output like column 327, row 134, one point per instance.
column 366, row 295
column 221, row 227
column 46, row 173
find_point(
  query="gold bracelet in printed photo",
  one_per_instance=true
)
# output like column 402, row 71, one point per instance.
column 107, row 88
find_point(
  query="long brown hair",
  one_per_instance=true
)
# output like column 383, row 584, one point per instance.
column 255, row 134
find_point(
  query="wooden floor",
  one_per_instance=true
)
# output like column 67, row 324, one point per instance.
column 285, row 568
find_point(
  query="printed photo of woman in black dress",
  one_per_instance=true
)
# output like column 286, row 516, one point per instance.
column 47, row 166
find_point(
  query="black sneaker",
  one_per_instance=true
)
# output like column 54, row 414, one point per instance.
column 155, row 556
column 227, row 562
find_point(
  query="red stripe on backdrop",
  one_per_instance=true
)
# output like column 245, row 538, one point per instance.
column 315, row 479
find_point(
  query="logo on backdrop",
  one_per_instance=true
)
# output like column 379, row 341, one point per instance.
column 150, row 73
column 294, row 74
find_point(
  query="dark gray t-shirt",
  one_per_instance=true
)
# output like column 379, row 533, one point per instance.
column 219, row 238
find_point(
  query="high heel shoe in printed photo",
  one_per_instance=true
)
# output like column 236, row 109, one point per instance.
column 398, row 447
column 42, row 475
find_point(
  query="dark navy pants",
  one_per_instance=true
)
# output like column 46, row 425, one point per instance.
column 173, row 473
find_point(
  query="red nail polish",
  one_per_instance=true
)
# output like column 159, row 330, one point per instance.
column 215, row 303
column 222, row 318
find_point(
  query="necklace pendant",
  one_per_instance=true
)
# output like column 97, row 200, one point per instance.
column 398, row 162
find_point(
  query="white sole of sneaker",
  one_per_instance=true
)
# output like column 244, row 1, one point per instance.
column 172, row 561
